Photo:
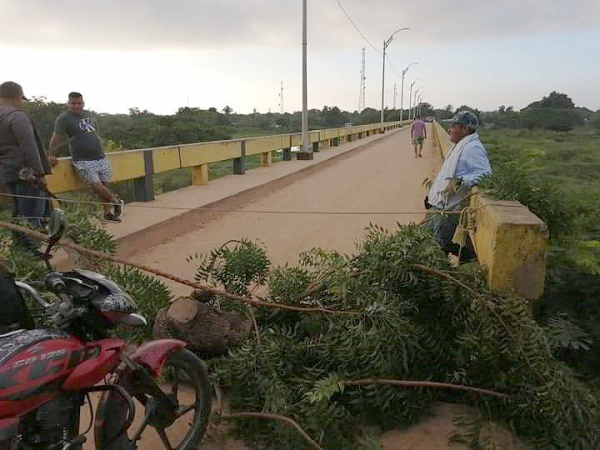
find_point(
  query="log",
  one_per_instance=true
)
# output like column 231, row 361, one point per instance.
column 207, row 330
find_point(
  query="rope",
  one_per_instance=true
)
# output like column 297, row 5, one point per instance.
column 249, row 300
column 429, row 212
column 243, row 211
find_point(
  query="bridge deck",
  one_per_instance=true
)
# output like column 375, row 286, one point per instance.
column 384, row 177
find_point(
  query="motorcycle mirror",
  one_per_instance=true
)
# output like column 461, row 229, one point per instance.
column 56, row 225
column 134, row 320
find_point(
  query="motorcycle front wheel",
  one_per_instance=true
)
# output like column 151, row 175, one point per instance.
column 177, row 422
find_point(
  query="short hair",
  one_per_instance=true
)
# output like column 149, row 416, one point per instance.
column 75, row 94
column 418, row 116
column 10, row 90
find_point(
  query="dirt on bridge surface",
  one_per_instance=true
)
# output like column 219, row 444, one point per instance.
column 329, row 209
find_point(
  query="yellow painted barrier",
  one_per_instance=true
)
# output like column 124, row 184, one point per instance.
column 127, row 165
column 441, row 139
column 64, row 178
column 266, row 144
column 137, row 164
column 329, row 134
column 510, row 242
column 165, row 159
column 209, row 152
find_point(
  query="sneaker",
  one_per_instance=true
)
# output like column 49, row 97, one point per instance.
column 118, row 208
column 110, row 217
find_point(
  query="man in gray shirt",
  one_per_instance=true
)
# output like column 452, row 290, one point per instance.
column 23, row 160
column 80, row 130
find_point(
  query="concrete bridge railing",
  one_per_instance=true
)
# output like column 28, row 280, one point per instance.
column 140, row 165
column 510, row 241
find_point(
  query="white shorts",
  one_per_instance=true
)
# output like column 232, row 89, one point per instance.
column 93, row 171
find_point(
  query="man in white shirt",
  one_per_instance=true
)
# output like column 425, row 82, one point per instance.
column 465, row 165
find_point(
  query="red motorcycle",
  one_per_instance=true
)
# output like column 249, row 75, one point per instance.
column 46, row 375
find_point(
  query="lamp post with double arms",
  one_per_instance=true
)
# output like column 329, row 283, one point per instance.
column 387, row 42
column 402, row 91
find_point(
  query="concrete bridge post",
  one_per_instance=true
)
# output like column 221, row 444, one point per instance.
column 239, row 164
column 266, row 159
column 143, row 188
column 200, row 175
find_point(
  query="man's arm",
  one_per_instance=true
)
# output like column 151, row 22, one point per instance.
column 23, row 130
column 56, row 142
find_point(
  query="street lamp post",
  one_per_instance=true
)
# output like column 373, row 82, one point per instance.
column 410, row 97
column 414, row 113
column 305, row 150
column 402, row 91
column 385, row 46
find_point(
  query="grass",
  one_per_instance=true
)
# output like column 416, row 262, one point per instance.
column 557, row 174
column 570, row 160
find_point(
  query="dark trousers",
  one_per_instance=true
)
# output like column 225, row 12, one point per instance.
column 443, row 226
column 30, row 209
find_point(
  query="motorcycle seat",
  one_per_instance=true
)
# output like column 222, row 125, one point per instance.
column 10, row 333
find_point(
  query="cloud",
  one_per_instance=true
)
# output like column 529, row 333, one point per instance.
column 201, row 24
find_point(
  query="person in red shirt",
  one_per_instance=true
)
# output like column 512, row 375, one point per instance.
column 418, row 133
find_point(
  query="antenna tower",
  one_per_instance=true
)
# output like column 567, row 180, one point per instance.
column 281, row 99
column 361, row 97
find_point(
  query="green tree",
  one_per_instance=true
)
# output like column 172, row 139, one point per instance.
column 554, row 100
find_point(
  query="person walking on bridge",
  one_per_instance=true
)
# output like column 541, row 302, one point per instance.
column 464, row 167
column 418, row 134
column 80, row 130
column 23, row 161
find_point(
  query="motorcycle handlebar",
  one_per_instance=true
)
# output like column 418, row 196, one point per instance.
column 31, row 291
column 55, row 282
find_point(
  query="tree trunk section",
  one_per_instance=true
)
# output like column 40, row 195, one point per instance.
column 207, row 330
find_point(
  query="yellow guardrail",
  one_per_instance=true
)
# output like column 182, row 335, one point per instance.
column 139, row 165
column 510, row 241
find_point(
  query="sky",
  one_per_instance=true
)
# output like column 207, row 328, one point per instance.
column 160, row 55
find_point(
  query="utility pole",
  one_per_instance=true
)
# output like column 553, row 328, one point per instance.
column 410, row 97
column 387, row 42
column 305, row 153
column 281, row 99
column 415, row 103
column 402, row 91
column 363, row 87
column 395, row 94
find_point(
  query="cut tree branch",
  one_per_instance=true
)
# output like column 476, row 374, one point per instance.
column 206, row 289
column 427, row 384
column 280, row 418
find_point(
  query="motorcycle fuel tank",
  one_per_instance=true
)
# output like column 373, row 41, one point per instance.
column 33, row 364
